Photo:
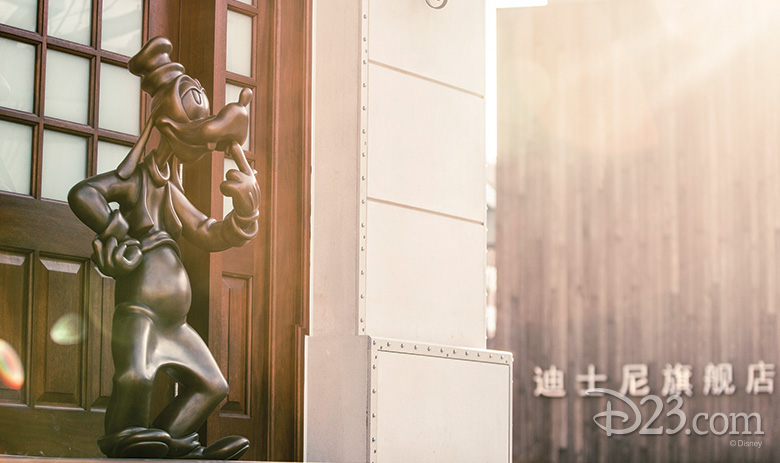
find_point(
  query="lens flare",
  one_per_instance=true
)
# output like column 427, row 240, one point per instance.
column 67, row 330
column 11, row 371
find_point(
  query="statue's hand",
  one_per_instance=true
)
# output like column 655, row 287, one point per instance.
column 241, row 185
column 115, row 258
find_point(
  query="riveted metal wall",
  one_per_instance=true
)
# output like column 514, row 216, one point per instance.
column 432, row 403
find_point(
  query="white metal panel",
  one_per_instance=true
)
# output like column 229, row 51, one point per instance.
column 335, row 196
column 426, row 146
column 446, row 45
column 425, row 277
column 437, row 404
column 336, row 398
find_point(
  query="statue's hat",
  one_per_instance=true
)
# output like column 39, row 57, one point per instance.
column 153, row 64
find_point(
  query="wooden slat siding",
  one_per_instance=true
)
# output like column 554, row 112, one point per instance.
column 638, row 213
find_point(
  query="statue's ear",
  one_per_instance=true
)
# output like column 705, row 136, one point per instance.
column 127, row 166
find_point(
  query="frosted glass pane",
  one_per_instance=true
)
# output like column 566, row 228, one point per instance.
column 15, row 157
column 67, row 87
column 110, row 155
column 120, row 99
column 227, row 202
column 231, row 96
column 122, row 22
column 19, row 13
column 71, row 20
column 239, row 43
column 64, row 164
column 17, row 80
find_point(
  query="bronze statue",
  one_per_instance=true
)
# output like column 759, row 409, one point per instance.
column 136, row 245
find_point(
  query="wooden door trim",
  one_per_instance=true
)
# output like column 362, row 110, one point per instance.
column 291, row 193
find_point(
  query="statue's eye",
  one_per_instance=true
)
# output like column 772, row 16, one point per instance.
column 197, row 96
column 195, row 104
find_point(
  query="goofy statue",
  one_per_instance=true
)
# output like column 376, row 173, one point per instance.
column 136, row 244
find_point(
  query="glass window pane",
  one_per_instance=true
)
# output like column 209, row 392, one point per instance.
column 15, row 157
column 231, row 96
column 122, row 22
column 67, row 87
column 120, row 99
column 227, row 201
column 18, row 81
column 110, row 155
column 248, row 2
column 239, row 43
column 64, row 164
column 71, row 20
column 19, row 13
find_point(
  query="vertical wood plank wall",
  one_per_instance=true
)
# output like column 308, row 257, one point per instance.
column 638, row 214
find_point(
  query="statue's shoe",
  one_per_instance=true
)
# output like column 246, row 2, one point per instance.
column 136, row 442
column 181, row 446
column 227, row 448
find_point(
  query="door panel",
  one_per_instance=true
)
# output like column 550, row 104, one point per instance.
column 14, row 290
column 232, row 342
column 101, row 303
column 57, row 375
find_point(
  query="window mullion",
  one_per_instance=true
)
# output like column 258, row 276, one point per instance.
column 94, row 110
column 97, row 30
column 97, row 24
column 40, row 90
column 21, row 35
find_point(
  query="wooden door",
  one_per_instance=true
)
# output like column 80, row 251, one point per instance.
column 57, row 126
column 249, row 304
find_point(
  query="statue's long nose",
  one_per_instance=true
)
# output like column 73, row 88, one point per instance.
column 227, row 126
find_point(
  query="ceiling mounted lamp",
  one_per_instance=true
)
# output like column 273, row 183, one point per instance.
column 436, row 4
